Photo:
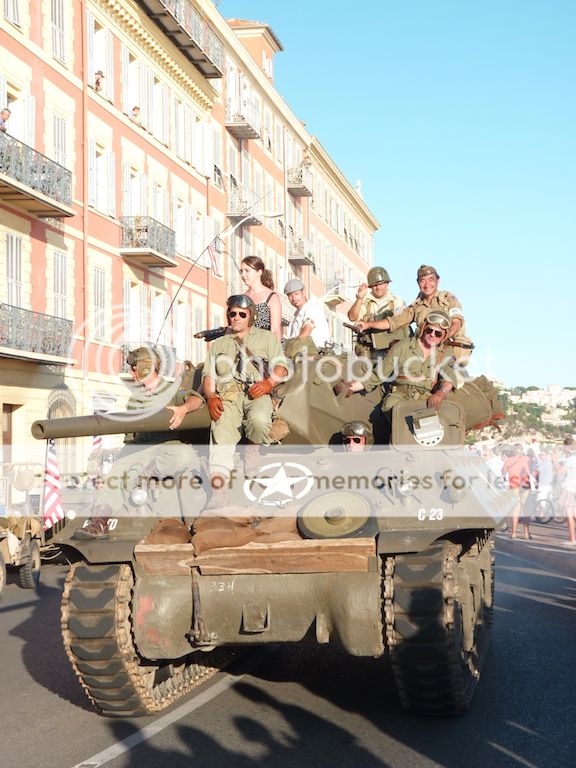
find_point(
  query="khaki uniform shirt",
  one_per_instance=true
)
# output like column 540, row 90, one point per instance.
column 405, row 367
column 373, row 308
column 419, row 310
column 236, row 364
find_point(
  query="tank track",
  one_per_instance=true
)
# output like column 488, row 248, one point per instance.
column 97, row 632
column 425, row 628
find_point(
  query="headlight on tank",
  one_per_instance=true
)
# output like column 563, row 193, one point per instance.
column 337, row 515
column 139, row 496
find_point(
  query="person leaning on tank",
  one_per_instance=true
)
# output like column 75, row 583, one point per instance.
column 156, row 454
column 429, row 299
column 374, row 301
column 240, row 371
column 421, row 368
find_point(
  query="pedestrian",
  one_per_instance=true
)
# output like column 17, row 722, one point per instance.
column 517, row 471
column 260, row 288
column 309, row 323
column 239, row 373
column 568, row 497
column 374, row 301
column 4, row 117
column 430, row 299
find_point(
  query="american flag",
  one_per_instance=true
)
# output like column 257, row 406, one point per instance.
column 52, row 508
column 214, row 260
column 97, row 442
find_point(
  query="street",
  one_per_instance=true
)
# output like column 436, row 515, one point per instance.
column 306, row 707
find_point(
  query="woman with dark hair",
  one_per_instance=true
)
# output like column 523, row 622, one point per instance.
column 260, row 288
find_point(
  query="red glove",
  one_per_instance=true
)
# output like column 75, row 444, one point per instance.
column 261, row 388
column 215, row 406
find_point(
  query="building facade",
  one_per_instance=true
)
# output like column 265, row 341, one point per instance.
column 139, row 131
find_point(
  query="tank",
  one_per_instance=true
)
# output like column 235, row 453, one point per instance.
column 384, row 552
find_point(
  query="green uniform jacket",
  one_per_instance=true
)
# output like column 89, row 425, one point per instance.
column 405, row 366
column 233, row 365
column 419, row 310
column 165, row 393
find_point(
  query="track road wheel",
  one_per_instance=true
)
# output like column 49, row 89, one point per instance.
column 438, row 611
column 29, row 573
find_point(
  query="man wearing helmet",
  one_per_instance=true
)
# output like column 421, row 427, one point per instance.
column 421, row 368
column 376, row 304
column 428, row 299
column 240, row 371
column 160, row 454
column 355, row 436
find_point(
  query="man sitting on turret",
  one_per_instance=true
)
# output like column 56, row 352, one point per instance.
column 154, row 454
column 240, row 371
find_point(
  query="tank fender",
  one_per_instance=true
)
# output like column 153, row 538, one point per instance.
column 162, row 615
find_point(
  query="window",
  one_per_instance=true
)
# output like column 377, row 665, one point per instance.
column 99, row 276
column 100, row 58
column 199, row 344
column 101, row 178
column 58, row 49
column 59, row 131
column 12, row 11
column 134, row 192
column 159, row 321
column 60, row 263
column 14, row 270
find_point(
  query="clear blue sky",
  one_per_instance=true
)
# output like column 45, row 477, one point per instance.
column 459, row 118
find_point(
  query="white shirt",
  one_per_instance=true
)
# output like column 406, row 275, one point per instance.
column 314, row 311
column 570, row 477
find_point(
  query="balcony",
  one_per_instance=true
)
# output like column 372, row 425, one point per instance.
column 242, row 203
column 242, row 119
column 167, row 356
column 180, row 22
column 32, row 181
column 300, row 252
column 299, row 181
column 34, row 336
column 336, row 295
column 147, row 242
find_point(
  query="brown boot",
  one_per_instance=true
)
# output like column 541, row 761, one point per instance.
column 219, row 497
column 95, row 528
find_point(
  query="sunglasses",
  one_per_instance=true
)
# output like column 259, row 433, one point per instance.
column 434, row 332
column 354, row 439
column 234, row 313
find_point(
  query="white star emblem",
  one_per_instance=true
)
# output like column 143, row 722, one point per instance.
column 282, row 482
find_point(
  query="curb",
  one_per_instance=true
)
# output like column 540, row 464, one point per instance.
column 544, row 551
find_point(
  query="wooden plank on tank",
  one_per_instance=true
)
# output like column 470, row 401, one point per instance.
column 302, row 556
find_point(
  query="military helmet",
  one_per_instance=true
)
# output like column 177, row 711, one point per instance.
column 356, row 429
column 144, row 359
column 425, row 270
column 377, row 275
column 241, row 301
column 439, row 318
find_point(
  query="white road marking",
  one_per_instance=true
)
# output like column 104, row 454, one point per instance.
column 164, row 722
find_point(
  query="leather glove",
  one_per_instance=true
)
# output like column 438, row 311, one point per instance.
column 261, row 388
column 215, row 406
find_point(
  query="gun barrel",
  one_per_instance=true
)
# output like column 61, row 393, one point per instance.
column 117, row 423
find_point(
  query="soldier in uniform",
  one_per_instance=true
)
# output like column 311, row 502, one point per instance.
column 429, row 299
column 421, row 368
column 374, row 304
column 158, row 454
column 356, row 436
column 240, row 372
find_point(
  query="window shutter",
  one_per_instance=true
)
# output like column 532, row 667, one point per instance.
column 127, row 97
column 60, row 287
column 14, row 269
column 111, row 182
column 92, row 175
column 109, row 79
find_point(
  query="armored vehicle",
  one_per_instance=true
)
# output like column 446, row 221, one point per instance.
column 387, row 551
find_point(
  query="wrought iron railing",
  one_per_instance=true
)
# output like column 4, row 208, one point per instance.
column 35, row 170
column 243, row 111
column 299, row 176
column 29, row 331
column 195, row 26
column 300, row 248
column 167, row 356
column 243, row 201
column 146, row 232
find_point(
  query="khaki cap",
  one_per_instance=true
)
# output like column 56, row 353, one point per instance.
column 426, row 269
